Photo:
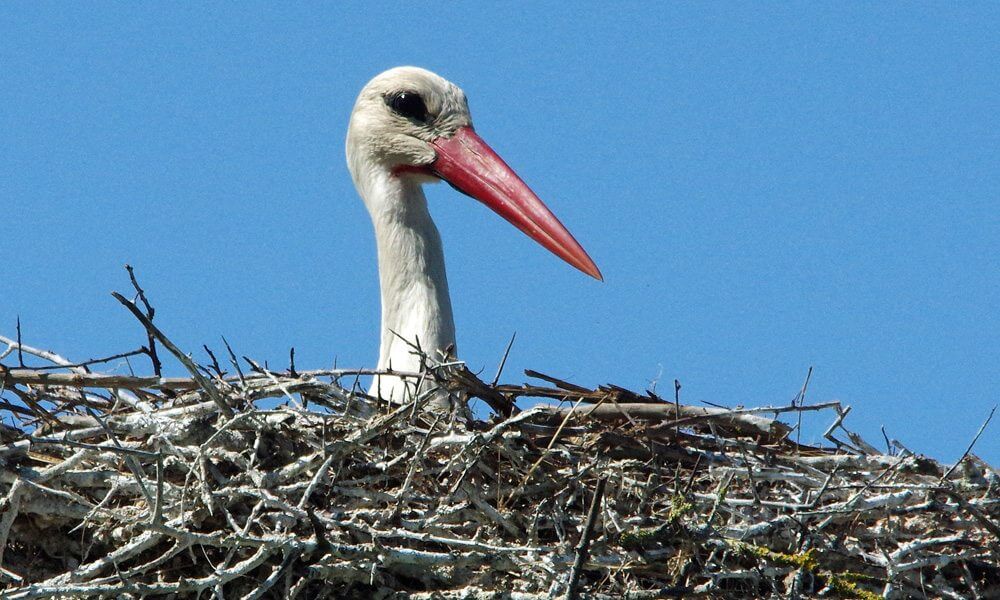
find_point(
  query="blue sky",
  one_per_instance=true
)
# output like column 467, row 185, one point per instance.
column 766, row 187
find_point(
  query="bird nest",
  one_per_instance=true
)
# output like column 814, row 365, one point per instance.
column 257, row 483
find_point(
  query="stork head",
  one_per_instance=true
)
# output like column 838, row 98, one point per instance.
column 410, row 123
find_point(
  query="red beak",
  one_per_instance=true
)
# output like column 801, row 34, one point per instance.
column 466, row 162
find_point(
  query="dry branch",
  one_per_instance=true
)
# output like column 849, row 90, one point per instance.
column 129, row 486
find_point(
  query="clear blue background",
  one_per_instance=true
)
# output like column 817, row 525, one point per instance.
column 766, row 188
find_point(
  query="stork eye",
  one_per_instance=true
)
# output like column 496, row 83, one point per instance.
column 409, row 105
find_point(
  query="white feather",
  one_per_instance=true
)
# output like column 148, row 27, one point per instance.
column 416, row 307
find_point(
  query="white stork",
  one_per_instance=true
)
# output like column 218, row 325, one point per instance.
column 410, row 127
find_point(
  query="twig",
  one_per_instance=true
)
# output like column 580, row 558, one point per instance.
column 503, row 361
column 975, row 512
column 235, row 363
column 677, row 407
column 583, row 548
column 972, row 444
column 799, row 400
column 150, row 313
column 87, row 363
column 94, row 380
column 215, row 362
column 16, row 344
column 130, row 461
column 192, row 368
column 20, row 346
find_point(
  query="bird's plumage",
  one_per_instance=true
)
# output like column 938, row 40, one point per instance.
column 410, row 127
column 416, row 306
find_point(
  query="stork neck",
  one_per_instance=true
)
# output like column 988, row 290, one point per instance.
column 416, row 308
